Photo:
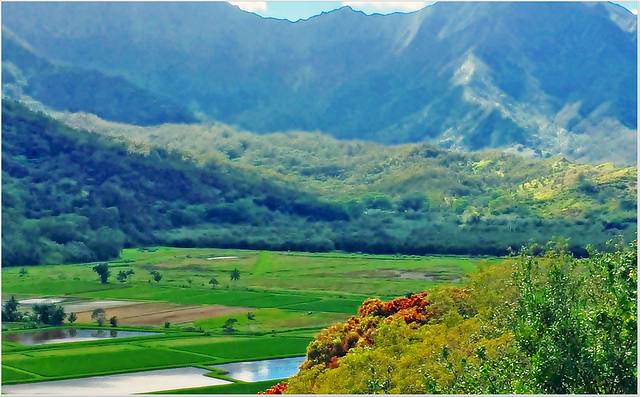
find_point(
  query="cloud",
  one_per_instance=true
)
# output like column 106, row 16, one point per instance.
column 369, row 7
column 251, row 6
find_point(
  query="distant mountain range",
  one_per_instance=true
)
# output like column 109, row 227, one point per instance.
column 537, row 78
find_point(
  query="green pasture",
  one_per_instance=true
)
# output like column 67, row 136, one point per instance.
column 242, row 349
column 292, row 296
column 266, row 320
column 87, row 361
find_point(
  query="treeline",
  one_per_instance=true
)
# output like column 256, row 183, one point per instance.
column 542, row 323
column 73, row 196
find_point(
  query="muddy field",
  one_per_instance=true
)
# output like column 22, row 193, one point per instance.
column 159, row 313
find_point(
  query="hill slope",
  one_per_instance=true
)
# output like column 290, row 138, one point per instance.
column 70, row 195
column 541, row 78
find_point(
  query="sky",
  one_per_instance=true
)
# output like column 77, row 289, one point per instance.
column 294, row 10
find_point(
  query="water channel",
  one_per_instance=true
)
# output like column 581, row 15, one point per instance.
column 255, row 371
column 69, row 335
column 137, row 382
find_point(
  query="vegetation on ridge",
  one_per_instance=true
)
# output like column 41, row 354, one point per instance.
column 74, row 196
column 541, row 324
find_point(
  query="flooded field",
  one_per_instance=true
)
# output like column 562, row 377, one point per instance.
column 69, row 335
column 255, row 371
column 137, row 382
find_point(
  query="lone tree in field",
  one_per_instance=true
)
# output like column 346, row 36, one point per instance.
column 122, row 276
column 23, row 271
column 235, row 275
column 250, row 316
column 213, row 282
column 157, row 277
column 103, row 271
column 72, row 318
column 228, row 325
column 99, row 315
column 129, row 273
column 113, row 321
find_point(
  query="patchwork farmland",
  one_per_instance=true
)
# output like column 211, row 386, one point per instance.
column 240, row 306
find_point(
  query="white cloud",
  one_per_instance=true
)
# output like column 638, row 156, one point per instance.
column 251, row 6
column 369, row 7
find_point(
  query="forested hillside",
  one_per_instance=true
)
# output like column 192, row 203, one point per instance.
column 541, row 78
column 70, row 195
column 74, row 196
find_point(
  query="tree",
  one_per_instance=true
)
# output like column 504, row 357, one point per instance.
column 250, row 316
column 228, row 325
column 99, row 315
column 103, row 271
column 113, row 321
column 235, row 275
column 122, row 276
column 10, row 310
column 129, row 273
column 49, row 314
column 213, row 282
column 157, row 277
column 23, row 271
column 72, row 318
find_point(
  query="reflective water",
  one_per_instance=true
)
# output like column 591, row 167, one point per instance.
column 69, row 335
column 137, row 382
column 255, row 371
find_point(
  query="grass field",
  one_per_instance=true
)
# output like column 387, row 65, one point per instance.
column 291, row 296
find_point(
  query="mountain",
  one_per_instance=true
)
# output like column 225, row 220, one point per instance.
column 26, row 75
column 537, row 78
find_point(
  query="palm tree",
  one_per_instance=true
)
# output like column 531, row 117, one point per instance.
column 235, row 275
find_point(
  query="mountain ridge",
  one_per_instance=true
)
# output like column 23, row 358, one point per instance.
column 542, row 79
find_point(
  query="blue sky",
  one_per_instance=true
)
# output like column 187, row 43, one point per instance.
column 294, row 10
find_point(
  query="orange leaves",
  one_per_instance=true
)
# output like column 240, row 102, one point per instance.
column 359, row 331
column 410, row 309
column 276, row 389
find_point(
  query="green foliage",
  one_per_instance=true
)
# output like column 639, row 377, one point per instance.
column 99, row 315
column 543, row 324
column 213, row 281
column 10, row 310
column 578, row 321
column 72, row 318
column 228, row 325
column 103, row 272
column 235, row 275
column 49, row 314
column 156, row 276
column 122, row 276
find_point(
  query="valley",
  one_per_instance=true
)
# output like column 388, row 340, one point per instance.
column 279, row 301
column 197, row 199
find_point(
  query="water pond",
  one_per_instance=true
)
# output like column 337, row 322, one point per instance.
column 69, row 335
column 255, row 371
column 137, row 382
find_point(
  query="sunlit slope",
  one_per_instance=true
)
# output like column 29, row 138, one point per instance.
column 481, row 183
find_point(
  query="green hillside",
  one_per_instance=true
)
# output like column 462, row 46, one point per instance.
column 72, row 196
column 538, row 324
column 469, row 186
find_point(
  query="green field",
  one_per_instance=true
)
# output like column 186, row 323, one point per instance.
column 291, row 296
